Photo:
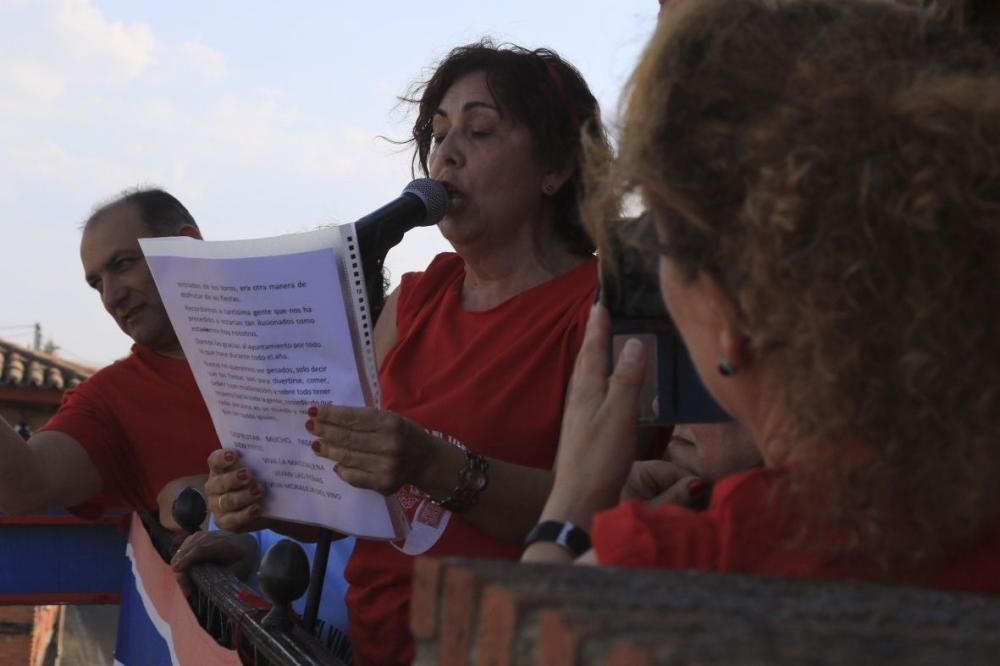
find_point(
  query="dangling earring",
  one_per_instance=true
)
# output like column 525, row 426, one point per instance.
column 726, row 368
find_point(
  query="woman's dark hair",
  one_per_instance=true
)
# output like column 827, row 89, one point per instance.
column 536, row 89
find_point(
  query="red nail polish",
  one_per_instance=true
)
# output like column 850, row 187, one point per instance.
column 255, row 510
column 695, row 487
column 316, row 446
column 256, row 491
column 243, row 475
column 310, row 424
column 313, row 412
column 230, row 456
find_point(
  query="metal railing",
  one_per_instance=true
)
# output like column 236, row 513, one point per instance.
column 239, row 619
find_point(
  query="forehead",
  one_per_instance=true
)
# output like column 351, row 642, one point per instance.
column 115, row 230
column 467, row 88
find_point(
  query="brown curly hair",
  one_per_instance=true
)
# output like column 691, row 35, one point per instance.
column 835, row 165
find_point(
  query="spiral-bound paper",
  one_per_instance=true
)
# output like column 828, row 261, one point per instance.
column 351, row 257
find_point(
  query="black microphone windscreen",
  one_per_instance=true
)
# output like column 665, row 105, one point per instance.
column 434, row 197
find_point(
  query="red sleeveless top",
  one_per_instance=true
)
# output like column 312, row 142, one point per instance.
column 494, row 381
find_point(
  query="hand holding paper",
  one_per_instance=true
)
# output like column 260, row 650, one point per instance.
column 373, row 449
column 269, row 327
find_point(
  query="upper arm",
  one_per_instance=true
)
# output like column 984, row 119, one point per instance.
column 64, row 472
column 385, row 333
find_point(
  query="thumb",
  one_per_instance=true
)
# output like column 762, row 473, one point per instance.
column 626, row 381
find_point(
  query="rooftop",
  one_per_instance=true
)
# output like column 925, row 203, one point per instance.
column 23, row 366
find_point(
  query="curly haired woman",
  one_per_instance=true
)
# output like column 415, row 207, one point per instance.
column 824, row 177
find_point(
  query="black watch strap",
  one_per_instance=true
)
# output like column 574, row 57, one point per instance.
column 564, row 534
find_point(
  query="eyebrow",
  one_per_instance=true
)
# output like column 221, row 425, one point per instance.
column 90, row 277
column 468, row 106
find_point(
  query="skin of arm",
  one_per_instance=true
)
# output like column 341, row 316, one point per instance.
column 515, row 492
column 51, row 470
column 598, row 438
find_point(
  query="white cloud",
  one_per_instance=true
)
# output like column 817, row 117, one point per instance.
column 203, row 60
column 32, row 79
column 128, row 48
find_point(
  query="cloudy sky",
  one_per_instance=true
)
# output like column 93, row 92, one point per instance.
column 262, row 117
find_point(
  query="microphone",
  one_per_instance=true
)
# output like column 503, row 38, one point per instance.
column 422, row 203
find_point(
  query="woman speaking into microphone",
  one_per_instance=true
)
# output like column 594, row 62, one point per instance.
column 475, row 352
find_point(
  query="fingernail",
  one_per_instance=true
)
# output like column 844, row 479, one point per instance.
column 316, row 446
column 313, row 411
column 696, row 487
column 336, row 469
column 310, row 424
column 256, row 490
column 230, row 456
column 243, row 475
column 632, row 351
column 255, row 510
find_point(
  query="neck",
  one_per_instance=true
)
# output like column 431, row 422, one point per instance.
column 497, row 269
column 170, row 348
column 493, row 278
column 764, row 416
column 176, row 354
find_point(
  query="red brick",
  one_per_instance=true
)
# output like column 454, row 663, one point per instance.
column 499, row 617
column 625, row 653
column 460, row 594
column 424, row 604
column 15, row 642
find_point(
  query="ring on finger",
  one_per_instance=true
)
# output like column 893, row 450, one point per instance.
column 222, row 509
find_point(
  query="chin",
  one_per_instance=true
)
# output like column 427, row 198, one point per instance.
column 459, row 236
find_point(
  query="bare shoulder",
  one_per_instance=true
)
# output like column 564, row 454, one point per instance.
column 385, row 334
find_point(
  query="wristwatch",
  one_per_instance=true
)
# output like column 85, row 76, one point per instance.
column 564, row 534
column 472, row 480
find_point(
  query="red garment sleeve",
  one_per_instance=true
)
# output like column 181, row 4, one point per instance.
column 84, row 416
column 635, row 534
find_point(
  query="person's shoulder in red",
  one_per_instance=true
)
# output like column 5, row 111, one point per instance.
column 143, row 423
column 637, row 534
column 748, row 528
column 416, row 289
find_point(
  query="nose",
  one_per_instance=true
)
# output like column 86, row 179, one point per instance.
column 449, row 153
column 113, row 293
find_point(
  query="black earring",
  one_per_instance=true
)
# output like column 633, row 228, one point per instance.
column 726, row 368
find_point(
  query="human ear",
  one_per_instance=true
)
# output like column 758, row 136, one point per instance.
column 732, row 344
column 554, row 179
column 191, row 231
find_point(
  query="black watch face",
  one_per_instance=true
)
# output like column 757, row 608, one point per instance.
column 478, row 480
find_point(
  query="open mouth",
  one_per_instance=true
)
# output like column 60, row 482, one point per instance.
column 455, row 196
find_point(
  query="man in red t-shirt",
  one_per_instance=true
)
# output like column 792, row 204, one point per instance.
column 132, row 434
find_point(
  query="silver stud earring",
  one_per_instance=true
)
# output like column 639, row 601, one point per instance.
column 726, row 368
column 547, row 189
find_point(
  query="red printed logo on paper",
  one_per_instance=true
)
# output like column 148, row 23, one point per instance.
column 430, row 514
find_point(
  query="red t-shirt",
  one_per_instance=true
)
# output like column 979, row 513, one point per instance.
column 747, row 528
column 143, row 423
column 495, row 381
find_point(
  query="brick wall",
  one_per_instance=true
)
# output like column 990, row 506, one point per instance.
column 15, row 634
column 486, row 613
